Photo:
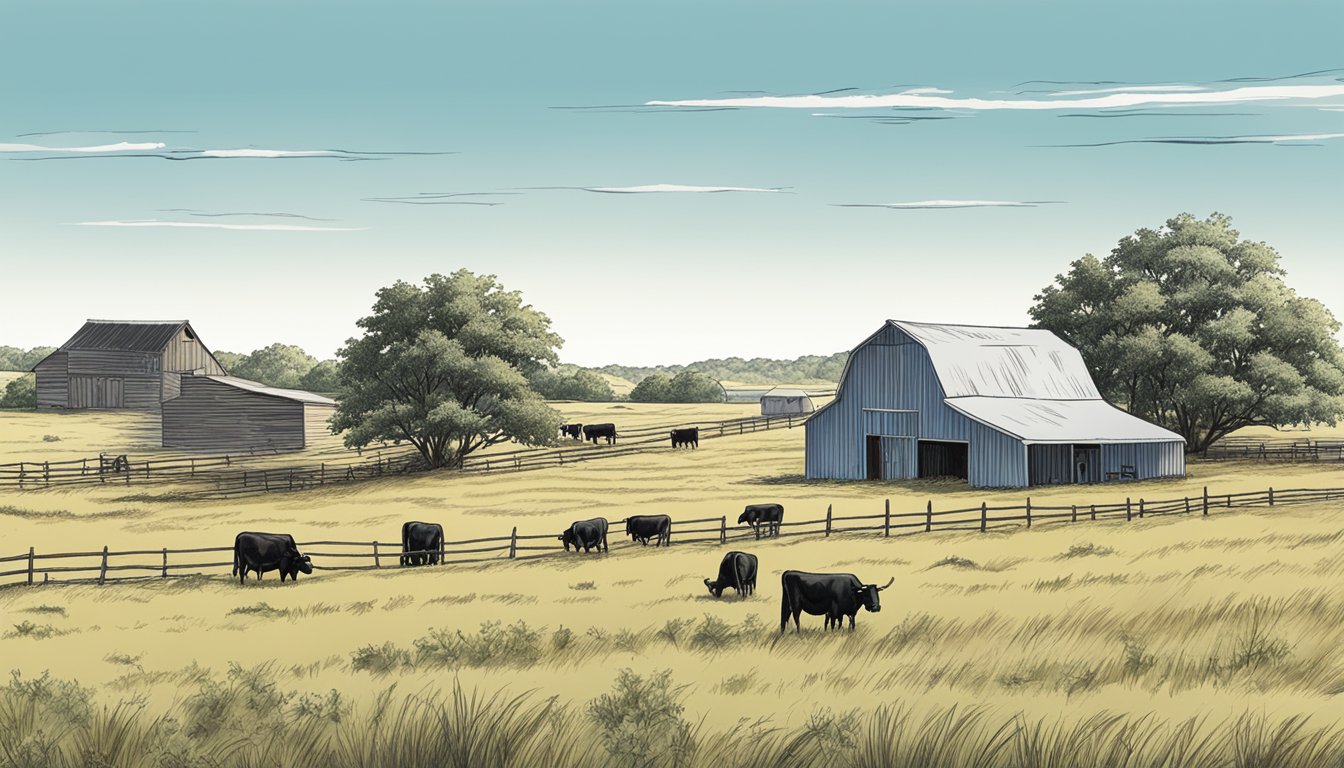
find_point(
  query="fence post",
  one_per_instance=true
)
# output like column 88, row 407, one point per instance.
column 1187, row 505
column 928, row 515
column 1129, row 510
column 1028, row 511
column 1074, row 517
column 723, row 529
column 377, row 561
column 322, row 477
column 886, row 520
column 828, row 519
column 984, row 515
column 1094, row 512
column 102, row 572
column 1271, row 496
column 513, row 543
column 1206, row 501
column 31, row 558
column 46, row 473
column 1140, row 509
column 164, row 573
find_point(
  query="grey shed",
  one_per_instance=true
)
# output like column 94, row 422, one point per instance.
column 225, row 414
column 786, row 402
column 999, row 407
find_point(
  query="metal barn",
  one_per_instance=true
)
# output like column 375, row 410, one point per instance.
column 125, row 364
column 998, row 407
column 786, row 402
column 226, row 414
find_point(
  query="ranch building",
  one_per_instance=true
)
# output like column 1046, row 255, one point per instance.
column 122, row 364
column 786, row 402
column 998, row 407
column 225, row 414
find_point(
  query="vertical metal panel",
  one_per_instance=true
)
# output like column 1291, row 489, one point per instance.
column 900, row 458
column 891, row 423
column 1149, row 460
column 1049, row 464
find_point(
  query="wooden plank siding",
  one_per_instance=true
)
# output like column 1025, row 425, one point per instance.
column 215, row 417
column 53, row 381
column 316, row 430
column 185, row 353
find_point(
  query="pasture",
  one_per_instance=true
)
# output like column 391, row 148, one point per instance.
column 1169, row 619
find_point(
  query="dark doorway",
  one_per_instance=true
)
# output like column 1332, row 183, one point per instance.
column 874, row 457
column 943, row 459
column 1087, row 463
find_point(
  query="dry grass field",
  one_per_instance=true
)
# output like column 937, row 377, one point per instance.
column 1163, row 642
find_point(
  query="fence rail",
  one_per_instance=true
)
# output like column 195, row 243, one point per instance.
column 36, row 567
column 1277, row 449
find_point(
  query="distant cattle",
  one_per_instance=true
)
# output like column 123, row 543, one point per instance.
column 594, row 431
column 421, row 543
column 263, row 552
column 736, row 570
column 764, row 519
column 641, row 528
column 689, row 436
column 833, row 595
column 589, row 534
column 571, row 430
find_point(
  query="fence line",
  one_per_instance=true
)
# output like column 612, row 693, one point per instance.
column 1276, row 449
column 717, row 531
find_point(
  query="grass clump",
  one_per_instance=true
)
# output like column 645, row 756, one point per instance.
column 1086, row 550
column 952, row 561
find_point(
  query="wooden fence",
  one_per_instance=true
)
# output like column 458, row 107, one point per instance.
column 105, row 565
column 229, row 476
column 1276, row 449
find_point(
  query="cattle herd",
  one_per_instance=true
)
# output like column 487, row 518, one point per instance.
column 688, row 437
column 832, row 595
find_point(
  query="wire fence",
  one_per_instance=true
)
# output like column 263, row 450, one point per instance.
column 106, row 565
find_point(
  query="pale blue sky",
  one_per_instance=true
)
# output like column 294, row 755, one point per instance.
column 654, row 277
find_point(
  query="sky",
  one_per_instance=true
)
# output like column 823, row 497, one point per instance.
column 667, row 181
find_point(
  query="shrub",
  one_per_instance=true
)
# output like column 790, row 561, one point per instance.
column 20, row 393
column 685, row 387
column 380, row 659
column 641, row 719
column 579, row 385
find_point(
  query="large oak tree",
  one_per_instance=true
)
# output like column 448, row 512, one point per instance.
column 1193, row 328
column 443, row 365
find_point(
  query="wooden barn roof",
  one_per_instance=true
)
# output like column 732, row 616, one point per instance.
column 125, row 335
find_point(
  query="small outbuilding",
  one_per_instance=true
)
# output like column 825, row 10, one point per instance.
column 226, row 414
column 786, row 402
column 998, row 407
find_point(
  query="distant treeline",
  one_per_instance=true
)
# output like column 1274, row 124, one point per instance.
column 282, row 365
column 808, row 369
column 15, row 359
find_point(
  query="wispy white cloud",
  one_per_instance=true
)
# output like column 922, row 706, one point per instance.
column 1284, row 139
column 122, row 146
column 656, row 188
column 923, row 99
column 936, row 204
column 269, row 152
column 204, row 225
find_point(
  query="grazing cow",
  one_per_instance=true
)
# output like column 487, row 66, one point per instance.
column 764, row 519
column 571, row 430
column 737, row 570
column 644, row 527
column 263, row 552
column 594, row 431
column 833, row 595
column 421, row 543
column 589, row 534
column 689, row 436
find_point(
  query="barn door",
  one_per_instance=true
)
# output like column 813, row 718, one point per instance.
column 874, row 457
column 115, row 393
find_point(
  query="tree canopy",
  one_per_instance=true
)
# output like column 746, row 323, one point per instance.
column 1193, row 328
column 685, row 387
column 20, row 393
column 579, row 384
column 443, row 364
column 279, row 365
column 15, row 359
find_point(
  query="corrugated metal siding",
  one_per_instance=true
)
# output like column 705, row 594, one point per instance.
column 114, row 335
column 209, row 416
column 53, row 382
column 1150, row 460
column 894, row 372
column 900, row 458
column 891, row 423
column 1049, row 464
column 786, row 406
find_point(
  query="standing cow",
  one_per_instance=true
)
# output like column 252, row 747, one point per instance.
column 736, row 570
column 764, row 519
column 589, row 534
column 594, row 431
column 421, row 543
column 690, row 436
column 833, row 595
column 571, row 430
column 263, row 552
column 641, row 528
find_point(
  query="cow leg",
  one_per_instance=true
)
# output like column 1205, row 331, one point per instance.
column 796, row 623
column 851, row 622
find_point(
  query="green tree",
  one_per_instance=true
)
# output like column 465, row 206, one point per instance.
column 444, row 366
column 1193, row 328
column 278, row 365
column 323, row 377
column 20, row 393
column 230, row 360
column 654, row 388
column 579, row 385
column 15, row 359
column 695, row 387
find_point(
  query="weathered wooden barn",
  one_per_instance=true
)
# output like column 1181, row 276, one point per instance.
column 999, row 407
column 786, row 402
column 224, row 414
column 122, row 364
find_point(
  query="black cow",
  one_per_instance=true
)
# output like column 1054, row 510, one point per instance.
column 833, row 595
column 421, row 543
column 571, row 430
column 594, row 431
column 589, row 534
column 644, row 527
column 263, row 552
column 763, row 518
column 689, row 436
column 737, row 570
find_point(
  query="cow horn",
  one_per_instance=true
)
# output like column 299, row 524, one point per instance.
column 888, row 584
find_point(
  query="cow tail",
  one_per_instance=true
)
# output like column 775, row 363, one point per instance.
column 236, row 556
column 784, row 609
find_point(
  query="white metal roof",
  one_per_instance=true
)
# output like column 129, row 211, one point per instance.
column 1003, row 362
column 288, row 394
column 1061, row 421
column 782, row 392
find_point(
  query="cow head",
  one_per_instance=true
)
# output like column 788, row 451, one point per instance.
column 745, row 517
column 304, row 563
column 714, row 588
column 568, row 537
column 867, row 595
